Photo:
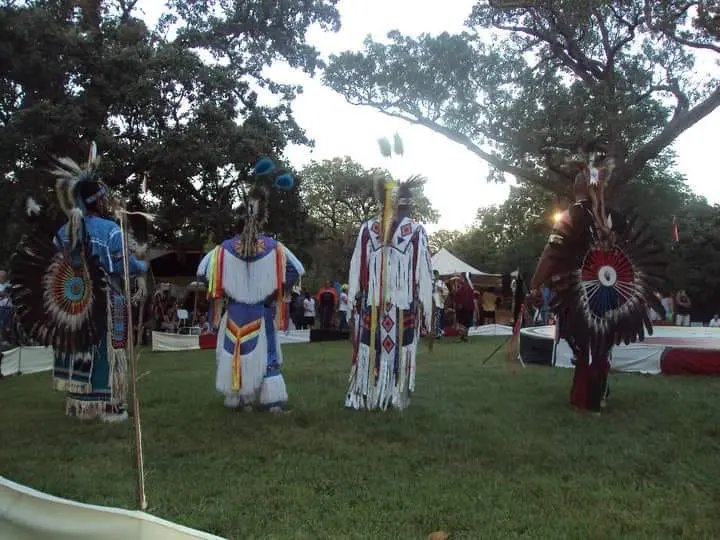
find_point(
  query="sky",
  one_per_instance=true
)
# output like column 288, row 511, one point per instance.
column 457, row 184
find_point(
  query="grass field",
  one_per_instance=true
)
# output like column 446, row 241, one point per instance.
column 479, row 454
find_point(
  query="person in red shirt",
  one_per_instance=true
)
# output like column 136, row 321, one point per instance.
column 327, row 299
column 464, row 305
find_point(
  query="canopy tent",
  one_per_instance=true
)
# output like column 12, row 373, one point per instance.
column 448, row 264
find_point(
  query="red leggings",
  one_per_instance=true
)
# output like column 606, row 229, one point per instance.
column 589, row 383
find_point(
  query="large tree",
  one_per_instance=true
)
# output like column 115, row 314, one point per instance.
column 513, row 234
column 339, row 196
column 75, row 71
column 523, row 86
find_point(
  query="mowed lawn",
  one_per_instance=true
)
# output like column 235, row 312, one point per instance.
column 481, row 453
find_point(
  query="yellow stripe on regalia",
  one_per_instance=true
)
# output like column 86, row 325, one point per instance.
column 239, row 335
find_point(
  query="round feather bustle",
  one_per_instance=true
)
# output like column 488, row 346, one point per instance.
column 590, row 310
column 57, row 304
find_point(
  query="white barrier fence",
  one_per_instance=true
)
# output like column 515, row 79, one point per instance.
column 30, row 514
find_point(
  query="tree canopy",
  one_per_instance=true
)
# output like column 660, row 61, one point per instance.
column 182, row 108
column 522, row 87
column 339, row 197
column 512, row 235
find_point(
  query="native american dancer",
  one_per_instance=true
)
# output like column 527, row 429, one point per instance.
column 391, row 283
column 256, row 275
column 68, row 289
column 603, row 269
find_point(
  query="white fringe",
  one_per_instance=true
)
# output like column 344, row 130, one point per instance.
column 389, row 390
column 273, row 390
column 400, row 287
column 249, row 283
column 118, row 376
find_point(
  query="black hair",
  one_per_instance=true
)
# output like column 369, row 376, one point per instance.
column 88, row 191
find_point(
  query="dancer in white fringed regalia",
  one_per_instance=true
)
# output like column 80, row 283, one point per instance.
column 391, row 286
column 256, row 274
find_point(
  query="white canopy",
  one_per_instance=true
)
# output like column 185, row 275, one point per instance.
column 446, row 264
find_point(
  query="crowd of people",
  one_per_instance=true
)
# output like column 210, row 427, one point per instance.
column 327, row 309
column 460, row 305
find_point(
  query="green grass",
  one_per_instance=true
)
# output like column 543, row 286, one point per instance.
column 480, row 453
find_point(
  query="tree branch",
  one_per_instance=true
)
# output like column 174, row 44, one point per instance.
column 675, row 127
column 498, row 163
column 671, row 35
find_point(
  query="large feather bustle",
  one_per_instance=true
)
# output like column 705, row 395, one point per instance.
column 37, row 297
column 629, row 322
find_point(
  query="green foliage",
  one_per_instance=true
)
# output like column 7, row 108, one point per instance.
column 480, row 453
column 695, row 259
column 339, row 197
column 443, row 238
column 153, row 103
column 513, row 234
column 522, row 88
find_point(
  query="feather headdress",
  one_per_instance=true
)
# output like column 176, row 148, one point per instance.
column 72, row 199
column 254, row 212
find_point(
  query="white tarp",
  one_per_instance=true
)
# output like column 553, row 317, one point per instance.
column 29, row 514
column 164, row 342
column 490, row 330
column 27, row 360
column 641, row 357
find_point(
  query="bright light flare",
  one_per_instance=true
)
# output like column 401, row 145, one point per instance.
column 557, row 216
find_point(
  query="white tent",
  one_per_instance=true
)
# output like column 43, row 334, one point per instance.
column 447, row 264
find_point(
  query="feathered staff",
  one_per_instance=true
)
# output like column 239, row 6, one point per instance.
column 139, row 244
column 135, row 229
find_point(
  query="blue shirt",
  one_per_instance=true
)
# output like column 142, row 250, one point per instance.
column 106, row 241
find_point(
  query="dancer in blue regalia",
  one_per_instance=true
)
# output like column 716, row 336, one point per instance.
column 255, row 273
column 68, row 289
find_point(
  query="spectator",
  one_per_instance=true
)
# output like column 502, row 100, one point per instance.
column 328, row 300
column 344, row 307
column 5, row 306
column 308, row 312
column 667, row 303
column 682, row 308
column 205, row 327
column 464, row 306
column 440, row 292
column 489, row 304
column 714, row 322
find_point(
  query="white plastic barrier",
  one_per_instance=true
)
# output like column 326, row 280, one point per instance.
column 490, row 330
column 27, row 360
column 29, row 514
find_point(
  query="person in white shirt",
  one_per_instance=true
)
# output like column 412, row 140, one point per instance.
column 715, row 321
column 308, row 311
column 5, row 305
column 440, row 292
column 344, row 307
column 682, row 308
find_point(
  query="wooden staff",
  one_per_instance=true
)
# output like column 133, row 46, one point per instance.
column 130, row 346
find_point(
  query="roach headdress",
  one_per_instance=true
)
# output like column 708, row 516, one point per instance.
column 254, row 211
column 77, row 189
